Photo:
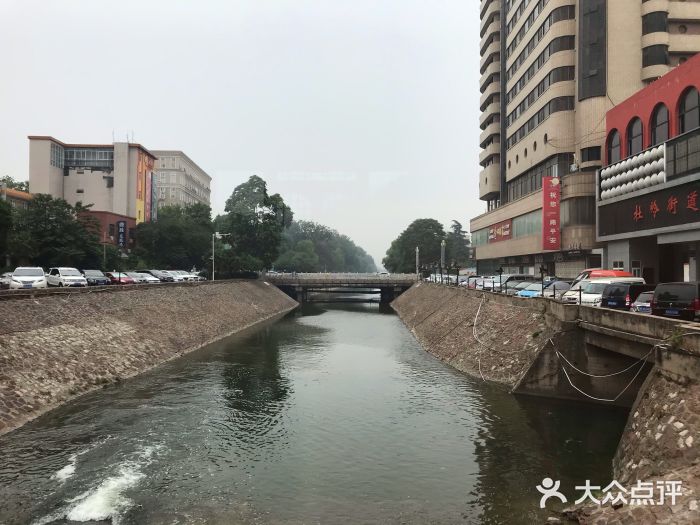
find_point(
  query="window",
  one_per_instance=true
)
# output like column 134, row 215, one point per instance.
column 613, row 147
column 111, row 230
column 659, row 125
column 592, row 49
column 655, row 55
column 619, row 265
column 689, row 111
column 656, row 22
column 576, row 211
column 634, row 137
column 636, row 268
column 590, row 154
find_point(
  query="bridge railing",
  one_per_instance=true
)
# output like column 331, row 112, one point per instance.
column 372, row 278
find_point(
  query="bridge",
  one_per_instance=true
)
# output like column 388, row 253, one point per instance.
column 300, row 286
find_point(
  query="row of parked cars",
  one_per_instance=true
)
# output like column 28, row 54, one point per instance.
column 597, row 287
column 29, row 277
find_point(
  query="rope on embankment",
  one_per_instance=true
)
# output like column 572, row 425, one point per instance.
column 476, row 318
column 639, row 362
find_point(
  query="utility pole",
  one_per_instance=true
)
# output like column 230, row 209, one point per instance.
column 442, row 258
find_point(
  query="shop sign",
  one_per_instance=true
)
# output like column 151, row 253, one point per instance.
column 121, row 234
column 551, row 221
column 500, row 231
column 670, row 207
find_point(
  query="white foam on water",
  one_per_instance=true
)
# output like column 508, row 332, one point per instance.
column 67, row 471
column 106, row 501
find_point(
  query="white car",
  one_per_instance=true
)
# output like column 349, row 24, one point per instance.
column 590, row 291
column 176, row 276
column 65, row 277
column 28, row 277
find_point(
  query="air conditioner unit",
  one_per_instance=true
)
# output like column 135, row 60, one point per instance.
column 573, row 167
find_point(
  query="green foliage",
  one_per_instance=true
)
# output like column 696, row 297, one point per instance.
column 5, row 229
column 51, row 232
column 457, row 249
column 328, row 250
column 13, row 184
column 179, row 239
column 255, row 222
column 426, row 234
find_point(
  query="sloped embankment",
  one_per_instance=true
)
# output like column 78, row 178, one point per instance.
column 484, row 335
column 55, row 347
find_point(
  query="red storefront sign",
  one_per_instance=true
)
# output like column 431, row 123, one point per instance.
column 500, row 231
column 551, row 221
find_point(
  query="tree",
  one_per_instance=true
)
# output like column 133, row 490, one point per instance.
column 51, row 232
column 457, row 249
column 5, row 229
column 303, row 258
column 336, row 252
column 179, row 239
column 426, row 234
column 255, row 222
column 13, row 184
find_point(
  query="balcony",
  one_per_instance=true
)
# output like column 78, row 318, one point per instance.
column 493, row 129
column 490, row 151
column 493, row 109
column 490, row 15
column 492, row 89
column 490, row 181
column 492, row 74
column 492, row 53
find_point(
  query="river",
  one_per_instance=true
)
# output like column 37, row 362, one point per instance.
column 332, row 415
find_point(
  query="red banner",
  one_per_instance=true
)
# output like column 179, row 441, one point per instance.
column 551, row 222
column 500, row 231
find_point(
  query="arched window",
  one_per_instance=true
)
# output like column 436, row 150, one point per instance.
column 659, row 125
column 613, row 147
column 689, row 111
column 635, row 144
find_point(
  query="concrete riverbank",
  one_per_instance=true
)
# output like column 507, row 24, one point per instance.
column 543, row 348
column 56, row 347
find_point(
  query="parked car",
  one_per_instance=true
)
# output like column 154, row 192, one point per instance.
column 96, row 278
column 677, row 300
column 139, row 278
column 176, row 277
column 119, row 278
column 5, row 279
column 160, row 275
column 516, row 289
column 509, row 287
column 598, row 273
column 534, row 289
column 63, row 276
column 593, row 294
column 28, row 277
column 642, row 304
column 555, row 289
column 620, row 296
column 485, row 284
column 187, row 276
column 144, row 277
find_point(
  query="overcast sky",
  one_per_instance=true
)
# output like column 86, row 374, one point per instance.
column 363, row 114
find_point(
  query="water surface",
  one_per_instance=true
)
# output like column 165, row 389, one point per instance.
column 332, row 415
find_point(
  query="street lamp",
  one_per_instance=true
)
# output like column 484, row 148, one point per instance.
column 442, row 258
column 214, row 236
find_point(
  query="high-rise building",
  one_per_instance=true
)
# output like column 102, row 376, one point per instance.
column 115, row 179
column 180, row 181
column 550, row 70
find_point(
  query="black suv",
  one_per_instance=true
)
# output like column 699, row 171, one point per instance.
column 677, row 300
column 620, row 296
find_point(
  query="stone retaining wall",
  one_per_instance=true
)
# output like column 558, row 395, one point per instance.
column 55, row 347
column 498, row 344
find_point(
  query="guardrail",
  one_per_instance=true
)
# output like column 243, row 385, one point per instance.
column 335, row 278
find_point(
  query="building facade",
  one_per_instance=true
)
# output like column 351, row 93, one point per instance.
column 15, row 198
column 115, row 179
column 550, row 70
column 180, row 181
column 648, row 194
